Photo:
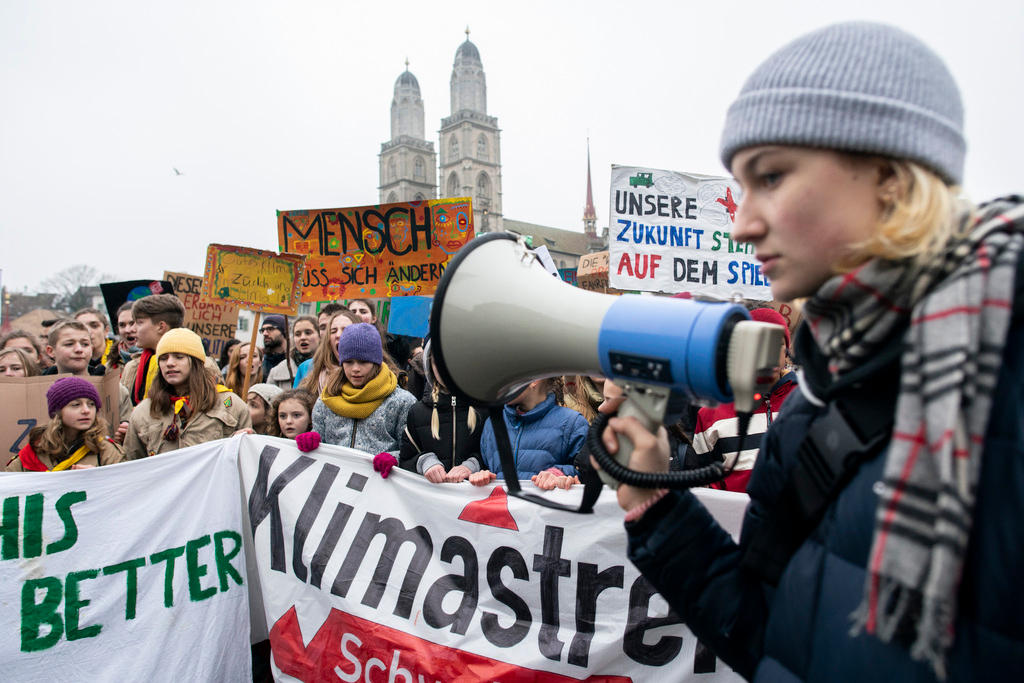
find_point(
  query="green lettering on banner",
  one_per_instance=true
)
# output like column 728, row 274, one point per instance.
column 223, row 559
column 131, row 570
column 35, row 614
column 197, row 571
column 63, row 507
column 32, row 541
column 168, row 556
column 9, row 531
column 74, row 604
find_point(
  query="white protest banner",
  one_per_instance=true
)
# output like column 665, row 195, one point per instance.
column 672, row 232
column 129, row 572
column 397, row 579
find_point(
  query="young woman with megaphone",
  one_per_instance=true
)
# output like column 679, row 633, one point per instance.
column 883, row 538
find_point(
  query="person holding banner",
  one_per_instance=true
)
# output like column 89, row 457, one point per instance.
column 74, row 438
column 362, row 407
column 186, row 406
column 883, row 540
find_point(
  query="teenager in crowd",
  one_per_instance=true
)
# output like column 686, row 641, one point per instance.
column 154, row 316
column 99, row 334
column 362, row 406
column 70, row 346
column 544, row 435
column 305, row 337
column 275, row 343
column 717, row 431
column 313, row 374
column 27, row 342
column 364, row 310
column 74, row 438
column 291, row 413
column 883, row 538
column 126, row 348
column 16, row 363
column 323, row 318
column 261, row 398
column 186, row 406
column 441, row 439
column 243, row 356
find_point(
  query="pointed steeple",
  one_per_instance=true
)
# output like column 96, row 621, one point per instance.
column 589, row 214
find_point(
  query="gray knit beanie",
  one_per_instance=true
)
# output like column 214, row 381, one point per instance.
column 360, row 341
column 858, row 87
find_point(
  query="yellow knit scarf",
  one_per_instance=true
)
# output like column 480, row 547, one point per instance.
column 359, row 403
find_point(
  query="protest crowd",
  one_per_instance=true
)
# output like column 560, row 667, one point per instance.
column 901, row 562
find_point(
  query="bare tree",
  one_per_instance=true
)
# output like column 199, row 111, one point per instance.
column 68, row 286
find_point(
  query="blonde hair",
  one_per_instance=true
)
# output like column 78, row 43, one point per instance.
column 435, row 421
column 234, row 378
column 919, row 220
column 29, row 365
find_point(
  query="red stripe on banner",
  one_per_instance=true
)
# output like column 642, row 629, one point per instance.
column 349, row 648
column 883, row 533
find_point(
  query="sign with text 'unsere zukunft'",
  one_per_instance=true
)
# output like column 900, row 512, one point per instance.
column 672, row 232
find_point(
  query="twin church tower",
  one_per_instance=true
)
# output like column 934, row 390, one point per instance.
column 470, row 145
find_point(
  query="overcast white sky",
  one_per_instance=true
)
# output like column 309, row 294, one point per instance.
column 283, row 105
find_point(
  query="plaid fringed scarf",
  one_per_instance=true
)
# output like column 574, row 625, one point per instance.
column 959, row 307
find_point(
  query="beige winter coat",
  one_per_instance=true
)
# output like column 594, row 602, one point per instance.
column 110, row 453
column 146, row 433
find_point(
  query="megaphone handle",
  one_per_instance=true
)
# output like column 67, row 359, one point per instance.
column 639, row 405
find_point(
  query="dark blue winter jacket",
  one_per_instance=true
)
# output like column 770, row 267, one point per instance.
column 547, row 436
column 799, row 629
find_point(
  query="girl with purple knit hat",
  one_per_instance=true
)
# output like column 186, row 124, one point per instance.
column 76, row 435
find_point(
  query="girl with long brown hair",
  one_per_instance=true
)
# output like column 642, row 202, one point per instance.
column 76, row 435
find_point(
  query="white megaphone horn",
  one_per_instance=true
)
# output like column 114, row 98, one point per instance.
column 500, row 320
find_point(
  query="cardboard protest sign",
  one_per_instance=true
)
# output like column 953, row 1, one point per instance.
column 128, row 572
column 117, row 293
column 386, row 250
column 671, row 232
column 23, row 406
column 215, row 323
column 592, row 273
column 410, row 316
column 451, row 583
column 253, row 279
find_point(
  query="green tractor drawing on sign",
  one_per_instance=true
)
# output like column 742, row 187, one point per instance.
column 641, row 179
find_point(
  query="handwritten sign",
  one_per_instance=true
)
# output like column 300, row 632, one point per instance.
column 253, row 279
column 672, row 232
column 388, row 250
column 215, row 323
column 23, row 406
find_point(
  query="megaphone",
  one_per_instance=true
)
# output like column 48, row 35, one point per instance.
column 500, row 320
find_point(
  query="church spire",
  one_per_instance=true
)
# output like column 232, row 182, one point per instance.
column 589, row 214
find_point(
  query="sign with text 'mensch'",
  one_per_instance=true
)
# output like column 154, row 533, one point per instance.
column 253, row 279
column 130, row 572
column 672, row 232
column 398, row 579
column 386, row 250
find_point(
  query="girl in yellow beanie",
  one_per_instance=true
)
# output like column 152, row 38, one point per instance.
column 186, row 405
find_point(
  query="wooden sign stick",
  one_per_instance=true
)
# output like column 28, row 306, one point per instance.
column 252, row 354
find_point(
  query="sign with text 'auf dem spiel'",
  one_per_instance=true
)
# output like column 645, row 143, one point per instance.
column 672, row 232
column 385, row 250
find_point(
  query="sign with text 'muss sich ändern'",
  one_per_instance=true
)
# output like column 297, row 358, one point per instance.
column 672, row 232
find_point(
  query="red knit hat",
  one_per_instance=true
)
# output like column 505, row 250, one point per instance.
column 770, row 315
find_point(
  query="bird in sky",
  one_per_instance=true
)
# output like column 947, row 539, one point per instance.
column 177, row 172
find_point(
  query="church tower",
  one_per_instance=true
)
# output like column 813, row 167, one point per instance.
column 589, row 213
column 470, row 143
column 408, row 164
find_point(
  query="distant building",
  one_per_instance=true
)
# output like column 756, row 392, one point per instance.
column 468, row 160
